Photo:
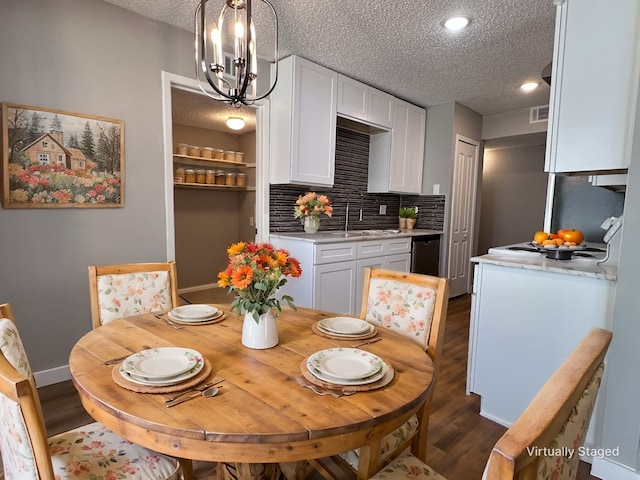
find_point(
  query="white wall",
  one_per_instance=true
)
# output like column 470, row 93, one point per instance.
column 514, row 190
column 90, row 57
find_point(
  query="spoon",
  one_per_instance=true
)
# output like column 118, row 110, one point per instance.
column 209, row 392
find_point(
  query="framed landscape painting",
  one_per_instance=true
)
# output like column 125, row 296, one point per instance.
column 55, row 159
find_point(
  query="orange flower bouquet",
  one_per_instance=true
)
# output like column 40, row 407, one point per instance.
column 255, row 272
column 312, row 205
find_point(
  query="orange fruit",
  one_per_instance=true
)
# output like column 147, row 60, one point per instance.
column 540, row 236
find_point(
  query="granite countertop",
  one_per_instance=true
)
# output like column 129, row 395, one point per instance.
column 542, row 263
column 335, row 236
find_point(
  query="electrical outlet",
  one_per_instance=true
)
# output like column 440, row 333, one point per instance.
column 416, row 209
column 383, row 209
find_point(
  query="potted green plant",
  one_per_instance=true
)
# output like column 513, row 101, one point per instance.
column 407, row 217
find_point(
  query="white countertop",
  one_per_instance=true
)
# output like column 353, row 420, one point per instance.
column 542, row 263
column 335, row 236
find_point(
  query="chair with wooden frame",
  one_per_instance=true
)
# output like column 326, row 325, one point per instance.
column 118, row 291
column 555, row 421
column 91, row 451
column 404, row 302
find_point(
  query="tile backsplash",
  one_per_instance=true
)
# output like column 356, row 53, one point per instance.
column 350, row 185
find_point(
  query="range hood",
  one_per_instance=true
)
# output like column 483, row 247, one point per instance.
column 546, row 73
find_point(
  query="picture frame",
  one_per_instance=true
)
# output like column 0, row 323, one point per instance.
column 57, row 159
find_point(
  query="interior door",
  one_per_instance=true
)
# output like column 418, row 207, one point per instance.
column 463, row 201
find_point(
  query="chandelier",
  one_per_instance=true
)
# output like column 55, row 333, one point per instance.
column 226, row 52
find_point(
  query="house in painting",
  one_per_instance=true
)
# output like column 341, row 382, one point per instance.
column 49, row 150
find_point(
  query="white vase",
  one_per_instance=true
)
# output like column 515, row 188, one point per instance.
column 261, row 334
column 311, row 224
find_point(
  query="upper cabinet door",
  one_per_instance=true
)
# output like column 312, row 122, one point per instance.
column 359, row 101
column 303, row 124
column 407, row 148
column 398, row 168
column 595, row 73
column 352, row 98
column 380, row 108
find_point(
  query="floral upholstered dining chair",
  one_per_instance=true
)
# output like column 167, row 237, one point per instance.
column 89, row 452
column 120, row 291
column 556, row 420
column 413, row 305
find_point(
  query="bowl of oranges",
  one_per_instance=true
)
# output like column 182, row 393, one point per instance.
column 559, row 245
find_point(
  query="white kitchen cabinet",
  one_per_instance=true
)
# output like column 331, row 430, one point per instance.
column 401, row 171
column 359, row 101
column 524, row 323
column 333, row 273
column 334, row 287
column 590, row 124
column 303, row 124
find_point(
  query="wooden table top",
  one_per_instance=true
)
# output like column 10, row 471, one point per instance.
column 261, row 413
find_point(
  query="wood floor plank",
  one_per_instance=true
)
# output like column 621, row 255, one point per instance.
column 459, row 438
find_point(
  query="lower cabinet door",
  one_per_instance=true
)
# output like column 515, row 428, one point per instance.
column 334, row 287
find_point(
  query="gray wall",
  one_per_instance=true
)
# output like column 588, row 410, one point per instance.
column 514, row 189
column 90, row 57
column 444, row 122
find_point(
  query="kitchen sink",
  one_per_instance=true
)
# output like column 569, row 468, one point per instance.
column 363, row 233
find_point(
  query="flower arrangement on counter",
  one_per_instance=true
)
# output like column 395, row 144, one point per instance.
column 312, row 205
column 255, row 273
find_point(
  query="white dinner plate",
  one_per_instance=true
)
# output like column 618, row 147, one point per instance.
column 345, row 363
column 344, row 325
column 194, row 311
column 384, row 370
column 162, row 382
column 346, row 335
column 178, row 318
column 161, row 363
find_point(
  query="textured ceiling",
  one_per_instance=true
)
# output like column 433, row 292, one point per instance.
column 401, row 47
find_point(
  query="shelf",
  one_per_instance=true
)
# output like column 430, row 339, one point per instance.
column 205, row 162
column 206, row 186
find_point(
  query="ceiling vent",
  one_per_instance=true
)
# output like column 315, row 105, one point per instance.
column 539, row 114
column 229, row 71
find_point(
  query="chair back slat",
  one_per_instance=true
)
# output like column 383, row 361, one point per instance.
column 555, row 421
column 120, row 291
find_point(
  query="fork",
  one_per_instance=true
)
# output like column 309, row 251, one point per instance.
column 315, row 389
column 166, row 319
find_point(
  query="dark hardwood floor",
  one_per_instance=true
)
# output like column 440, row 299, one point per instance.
column 459, row 438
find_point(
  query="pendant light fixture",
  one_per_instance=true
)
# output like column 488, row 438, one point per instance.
column 232, row 77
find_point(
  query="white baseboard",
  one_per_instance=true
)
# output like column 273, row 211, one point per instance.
column 495, row 419
column 53, row 375
column 607, row 469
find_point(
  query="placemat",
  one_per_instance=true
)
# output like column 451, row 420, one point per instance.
column 347, row 388
column 196, row 324
column 136, row 387
column 322, row 333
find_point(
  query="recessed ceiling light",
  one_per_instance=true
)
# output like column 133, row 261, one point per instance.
column 455, row 24
column 235, row 123
column 529, row 86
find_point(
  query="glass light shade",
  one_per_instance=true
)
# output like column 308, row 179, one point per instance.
column 527, row 87
column 455, row 24
column 235, row 123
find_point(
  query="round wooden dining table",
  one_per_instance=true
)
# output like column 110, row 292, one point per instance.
column 261, row 414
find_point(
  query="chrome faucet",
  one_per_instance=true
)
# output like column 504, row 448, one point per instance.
column 346, row 218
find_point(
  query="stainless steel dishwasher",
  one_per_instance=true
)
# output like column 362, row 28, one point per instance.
column 425, row 254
